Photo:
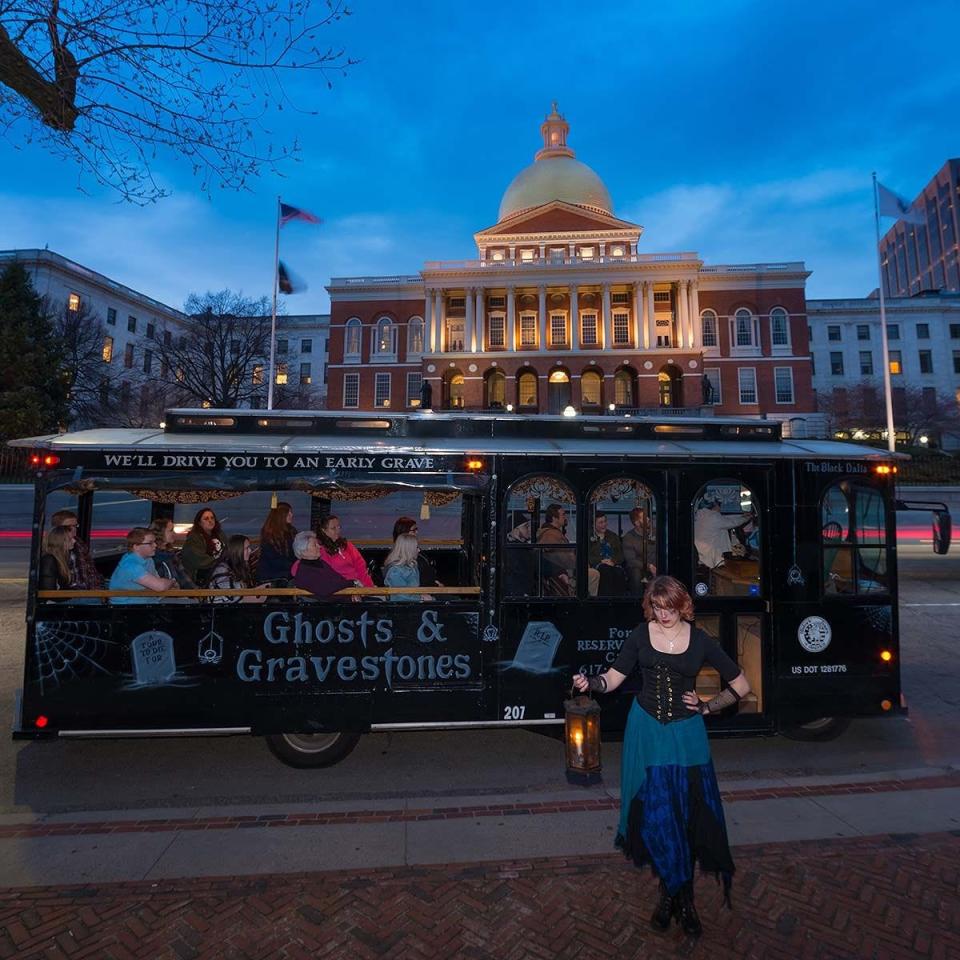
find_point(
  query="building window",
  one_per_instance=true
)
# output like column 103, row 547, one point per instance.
column 896, row 362
column 385, row 343
column 167, row 338
column 147, row 360
column 558, row 254
column 494, row 302
column 73, row 302
column 496, row 336
column 455, row 334
column 151, row 331
column 836, row 364
column 866, row 363
column 306, row 346
column 923, row 331
column 108, row 349
column 305, row 376
column 131, row 324
column 283, row 347
column 956, row 367
column 744, row 332
column 351, row 390
column 591, row 389
column 834, row 333
column 661, row 296
column 621, row 329
column 527, row 255
column 414, row 382
column 712, row 376
column 955, row 331
column 747, row 377
column 381, row 390
column 258, row 375
column 779, row 328
column 352, row 338
column 112, row 316
column 527, row 389
column 586, row 253
column 558, row 329
column 528, row 330
column 623, row 381
column 415, row 337
column 282, row 377
column 128, row 356
column 863, row 331
column 893, row 331
column 708, row 328
column 458, row 303
column 620, row 296
column 783, row 384
column 588, row 330
column 926, row 361
column 124, row 395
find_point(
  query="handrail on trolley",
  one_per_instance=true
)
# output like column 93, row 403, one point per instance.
column 252, row 592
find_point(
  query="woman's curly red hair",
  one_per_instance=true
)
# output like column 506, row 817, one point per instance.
column 667, row 592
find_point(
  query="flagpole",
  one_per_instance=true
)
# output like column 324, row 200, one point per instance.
column 887, row 389
column 273, row 317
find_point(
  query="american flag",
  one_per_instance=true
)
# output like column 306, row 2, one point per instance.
column 288, row 213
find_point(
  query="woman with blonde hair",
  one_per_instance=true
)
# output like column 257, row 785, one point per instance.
column 671, row 816
column 400, row 569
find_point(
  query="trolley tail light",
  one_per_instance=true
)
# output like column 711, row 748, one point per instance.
column 48, row 460
column 885, row 469
column 41, row 722
column 886, row 705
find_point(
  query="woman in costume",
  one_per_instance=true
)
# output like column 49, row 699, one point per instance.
column 671, row 816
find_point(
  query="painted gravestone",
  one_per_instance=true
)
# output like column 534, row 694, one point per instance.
column 153, row 660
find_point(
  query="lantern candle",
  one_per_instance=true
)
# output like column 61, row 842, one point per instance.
column 582, row 736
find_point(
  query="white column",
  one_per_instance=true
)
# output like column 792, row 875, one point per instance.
column 427, row 321
column 679, row 318
column 478, row 315
column 574, row 318
column 638, row 317
column 468, row 343
column 603, row 250
column 572, row 250
column 542, row 320
column 686, row 309
column 651, row 315
column 695, row 314
column 440, row 334
column 607, row 336
column 511, row 320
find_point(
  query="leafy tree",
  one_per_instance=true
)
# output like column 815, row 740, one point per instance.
column 210, row 357
column 33, row 391
column 109, row 85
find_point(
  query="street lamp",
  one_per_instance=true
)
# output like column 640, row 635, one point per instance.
column 570, row 411
column 582, row 738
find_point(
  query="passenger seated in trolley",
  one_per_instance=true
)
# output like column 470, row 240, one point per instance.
column 136, row 569
column 640, row 551
column 605, row 576
column 721, row 542
column 557, row 566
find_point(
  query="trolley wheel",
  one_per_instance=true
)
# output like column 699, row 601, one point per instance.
column 312, row 749
column 823, row 729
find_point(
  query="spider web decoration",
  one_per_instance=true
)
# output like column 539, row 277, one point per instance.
column 68, row 650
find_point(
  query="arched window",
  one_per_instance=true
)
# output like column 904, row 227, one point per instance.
column 853, row 538
column 385, row 342
column 453, row 386
column 726, row 539
column 670, row 380
column 414, row 337
column 591, row 389
column 744, row 329
column 527, row 389
column 352, row 339
column 708, row 328
column 540, row 554
column 622, row 542
column 495, row 390
column 558, row 391
column 779, row 328
column 624, row 384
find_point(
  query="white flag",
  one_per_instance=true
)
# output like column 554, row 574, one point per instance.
column 893, row 205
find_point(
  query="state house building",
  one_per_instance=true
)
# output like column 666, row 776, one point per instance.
column 562, row 309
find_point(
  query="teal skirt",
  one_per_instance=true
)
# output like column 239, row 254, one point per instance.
column 671, row 816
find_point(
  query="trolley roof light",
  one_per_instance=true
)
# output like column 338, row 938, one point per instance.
column 884, row 469
column 474, row 464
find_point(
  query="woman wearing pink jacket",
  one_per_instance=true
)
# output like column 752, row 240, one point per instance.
column 340, row 554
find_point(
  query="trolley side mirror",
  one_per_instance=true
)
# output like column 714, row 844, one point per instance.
column 942, row 531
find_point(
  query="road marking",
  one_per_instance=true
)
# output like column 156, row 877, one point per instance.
column 13, row 579
column 930, row 604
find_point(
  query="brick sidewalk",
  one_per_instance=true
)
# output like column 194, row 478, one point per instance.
column 886, row 897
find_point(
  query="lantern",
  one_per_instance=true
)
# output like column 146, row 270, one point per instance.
column 582, row 736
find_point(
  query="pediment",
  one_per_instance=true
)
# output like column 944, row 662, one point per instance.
column 557, row 217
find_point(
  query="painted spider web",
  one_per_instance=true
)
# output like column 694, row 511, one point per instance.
column 69, row 650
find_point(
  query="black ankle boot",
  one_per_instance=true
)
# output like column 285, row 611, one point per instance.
column 686, row 912
column 660, row 918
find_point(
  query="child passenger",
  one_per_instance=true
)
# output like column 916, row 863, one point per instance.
column 400, row 568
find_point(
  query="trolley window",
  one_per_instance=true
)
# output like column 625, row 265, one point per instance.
column 853, row 540
column 622, row 546
column 541, row 553
column 726, row 537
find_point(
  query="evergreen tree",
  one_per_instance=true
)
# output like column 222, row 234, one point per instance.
column 33, row 396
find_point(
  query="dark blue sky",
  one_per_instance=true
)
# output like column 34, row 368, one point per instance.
column 746, row 131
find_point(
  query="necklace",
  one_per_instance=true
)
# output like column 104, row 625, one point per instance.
column 671, row 640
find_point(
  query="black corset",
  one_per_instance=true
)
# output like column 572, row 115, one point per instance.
column 662, row 693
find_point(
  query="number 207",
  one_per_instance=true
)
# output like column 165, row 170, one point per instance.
column 514, row 713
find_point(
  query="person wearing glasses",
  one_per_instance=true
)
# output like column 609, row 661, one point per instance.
column 136, row 569
column 425, row 568
column 85, row 573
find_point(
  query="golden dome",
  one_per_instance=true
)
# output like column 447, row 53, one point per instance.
column 555, row 174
